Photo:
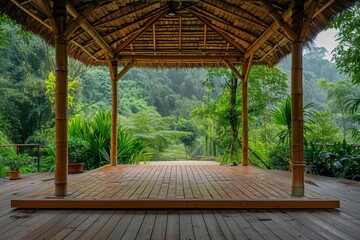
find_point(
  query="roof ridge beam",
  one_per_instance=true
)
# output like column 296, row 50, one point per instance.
column 91, row 30
column 279, row 19
column 128, row 41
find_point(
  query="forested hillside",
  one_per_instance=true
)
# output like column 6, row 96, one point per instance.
column 177, row 113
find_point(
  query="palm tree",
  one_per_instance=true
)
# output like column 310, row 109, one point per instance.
column 281, row 115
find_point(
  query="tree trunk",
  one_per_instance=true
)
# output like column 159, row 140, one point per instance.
column 232, row 115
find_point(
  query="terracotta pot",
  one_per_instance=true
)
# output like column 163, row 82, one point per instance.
column 14, row 175
column 75, row 168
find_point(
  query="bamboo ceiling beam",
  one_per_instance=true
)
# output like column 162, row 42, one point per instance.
column 50, row 15
column 19, row 5
column 90, row 30
column 222, row 34
column 85, row 50
column 180, row 33
column 308, row 18
column 279, row 19
column 126, row 43
column 50, row 28
column 179, row 59
column 270, row 31
column 135, row 23
column 258, row 25
column 325, row 6
column 154, row 37
column 222, row 22
column 98, row 22
column 25, row 2
column 177, row 52
column 205, row 32
column 273, row 49
column 76, row 22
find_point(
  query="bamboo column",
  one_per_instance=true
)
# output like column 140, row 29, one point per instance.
column 246, row 66
column 114, row 113
column 297, row 135
column 61, row 101
column 245, row 123
column 244, row 76
column 115, row 77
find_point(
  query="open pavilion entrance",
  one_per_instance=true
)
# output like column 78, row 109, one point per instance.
column 168, row 33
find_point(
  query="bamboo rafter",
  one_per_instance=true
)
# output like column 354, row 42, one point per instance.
column 124, row 44
column 91, row 31
column 222, row 34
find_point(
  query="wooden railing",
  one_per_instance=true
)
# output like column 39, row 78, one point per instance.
column 18, row 146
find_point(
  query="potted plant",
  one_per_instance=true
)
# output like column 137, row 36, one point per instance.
column 14, row 163
column 77, row 155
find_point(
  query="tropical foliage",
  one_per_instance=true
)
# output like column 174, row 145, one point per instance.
column 183, row 113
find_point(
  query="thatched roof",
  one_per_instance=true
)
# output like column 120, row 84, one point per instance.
column 180, row 33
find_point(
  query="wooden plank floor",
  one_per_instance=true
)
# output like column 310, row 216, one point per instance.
column 342, row 223
column 184, row 186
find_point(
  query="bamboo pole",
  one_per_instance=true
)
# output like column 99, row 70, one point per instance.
column 113, row 66
column 61, row 101
column 244, row 115
column 115, row 77
column 297, row 137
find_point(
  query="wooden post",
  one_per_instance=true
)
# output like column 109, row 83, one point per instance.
column 114, row 113
column 61, row 101
column 115, row 77
column 297, row 134
column 245, row 123
column 244, row 105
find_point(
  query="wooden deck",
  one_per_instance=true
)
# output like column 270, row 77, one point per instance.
column 342, row 223
column 169, row 186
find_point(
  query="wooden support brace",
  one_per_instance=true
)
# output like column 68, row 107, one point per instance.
column 124, row 70
column 308, row 18
column 269, row 32
column 233, row 69
column 49, row 14
column 91, row 31
column 76, row 22
column 280, row 20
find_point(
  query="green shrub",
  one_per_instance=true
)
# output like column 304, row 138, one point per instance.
column 339, row 160
column 279, row 158
column 17, row 162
